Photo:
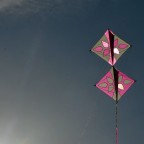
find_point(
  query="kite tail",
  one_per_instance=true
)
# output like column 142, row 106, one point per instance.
column 116, row 126
column 116, row 135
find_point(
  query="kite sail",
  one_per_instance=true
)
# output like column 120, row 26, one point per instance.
column 115, row 83
column 110, row 47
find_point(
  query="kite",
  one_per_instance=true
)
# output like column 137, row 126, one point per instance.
column 115, row 83
column 110, row 47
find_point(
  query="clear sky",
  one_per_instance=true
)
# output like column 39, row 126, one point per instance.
column 47, row 72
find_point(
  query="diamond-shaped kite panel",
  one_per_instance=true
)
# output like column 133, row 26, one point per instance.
column 115, row 83
column 110, row 47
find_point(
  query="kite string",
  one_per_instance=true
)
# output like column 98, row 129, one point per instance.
column 116, row 123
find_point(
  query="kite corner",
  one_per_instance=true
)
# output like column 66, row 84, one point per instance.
column 108, row 29
column 94, row 85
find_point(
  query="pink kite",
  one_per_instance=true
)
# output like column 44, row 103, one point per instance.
column 115, row 83
column 110, row 47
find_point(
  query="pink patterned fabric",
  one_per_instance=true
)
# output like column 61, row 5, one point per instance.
column 110, row 47
column 107, row 84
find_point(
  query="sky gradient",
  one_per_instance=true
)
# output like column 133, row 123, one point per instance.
column 47, row 72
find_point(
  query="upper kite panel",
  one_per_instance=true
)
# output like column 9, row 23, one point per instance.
column 110, row 47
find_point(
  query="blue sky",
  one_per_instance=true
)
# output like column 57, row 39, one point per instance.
column 47, row 72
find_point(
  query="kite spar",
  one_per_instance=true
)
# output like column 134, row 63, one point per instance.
column 115, row 83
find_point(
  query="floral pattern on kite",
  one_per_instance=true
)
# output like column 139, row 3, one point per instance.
column 113, row 86
column 110, row 47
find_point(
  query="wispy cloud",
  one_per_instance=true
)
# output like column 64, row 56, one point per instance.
column 6, row 4
column 25, row 6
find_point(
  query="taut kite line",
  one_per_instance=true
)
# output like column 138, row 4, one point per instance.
column 115, row 83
